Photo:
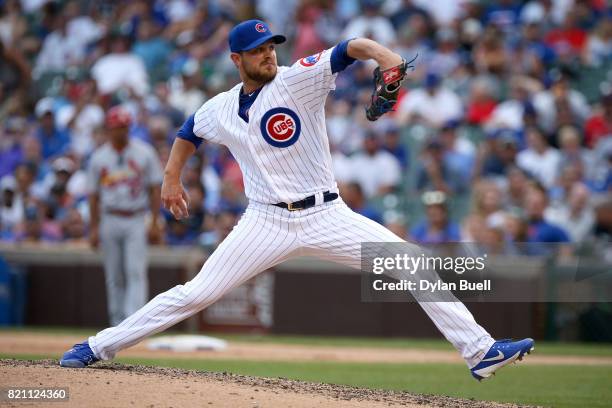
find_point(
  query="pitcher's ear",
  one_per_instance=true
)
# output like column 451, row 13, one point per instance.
column 236, row 58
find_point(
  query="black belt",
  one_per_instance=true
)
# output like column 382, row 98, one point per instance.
column 307, row 202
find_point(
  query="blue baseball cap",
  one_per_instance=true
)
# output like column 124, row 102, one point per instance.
column 251, row 34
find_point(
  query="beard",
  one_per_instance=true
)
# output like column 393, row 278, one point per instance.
column 259, row 74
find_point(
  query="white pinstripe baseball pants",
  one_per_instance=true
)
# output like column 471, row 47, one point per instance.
column 265, row 236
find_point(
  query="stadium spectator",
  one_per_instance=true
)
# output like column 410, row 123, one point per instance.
column 56, row 206
column 603, row 223
column 309, row 39
column 25, row 177
column 539, row 159
column 481, row 102
column 187, row 230
column 549, row 13
column 401, row 16
column 551, row 103
column 598, row 50
column 574, row 215
column 599, row 125
column 516, row 225
column 437, row 228
column 15, row 73
column 11, row 210
column 469, row 34
column 341, row 127
column 282, row 22
column 152, row 49
column 83, row 26
column 412, row 41
column 53, row 140
column 35, row 229
column 74, row 228
column 66, row 172
column 516, row 187
column 570, row 147
column 540, row 230
column 496, row 155
column 13, row 24
column 503, row 14
column 487, row 202
column 459, row 152
column 185, row 89
column 490, row 55
column 569, row 174
column 602, row 169
column 11, row 150
column 81, row 116
column 371, row 24
column 569, row 39
column 223, row 225
column 432, row 106
column 392, row 143
column 231, row 199
column 510, row 112
column 537, row 55
column 120, row 69
column 444, row 58
column 435, row 172
column 376, row 170
column 444, row 12
column 353, row 196
column 495, row 238
column 60, row 49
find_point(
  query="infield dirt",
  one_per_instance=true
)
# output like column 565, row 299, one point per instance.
column 121, row 385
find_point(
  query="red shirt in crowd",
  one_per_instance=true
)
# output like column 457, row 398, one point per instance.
column 570, row 40
column 596, row 128
column 479, row 112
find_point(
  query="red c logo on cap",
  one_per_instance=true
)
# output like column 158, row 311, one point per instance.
column 260, row 27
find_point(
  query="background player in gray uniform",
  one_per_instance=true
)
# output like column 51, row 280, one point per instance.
column 124, row 178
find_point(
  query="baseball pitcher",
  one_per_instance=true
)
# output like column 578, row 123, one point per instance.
column 273, row 122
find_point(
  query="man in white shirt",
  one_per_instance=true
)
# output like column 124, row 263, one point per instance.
column 434, row 105
column 120, row 69
column 376, row 170
column 60, row 49
column 547, row 103
column 539, row 159
column 371, row 25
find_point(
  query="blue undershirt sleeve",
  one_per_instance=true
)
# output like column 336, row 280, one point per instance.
column 340, row 59
column 186, row 132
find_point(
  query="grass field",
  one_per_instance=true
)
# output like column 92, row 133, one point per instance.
column 543, row 347
column 545, row 385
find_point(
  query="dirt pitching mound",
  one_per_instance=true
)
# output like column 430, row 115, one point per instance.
column 122, row 385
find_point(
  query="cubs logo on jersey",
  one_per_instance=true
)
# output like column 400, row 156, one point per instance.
column 280, row 127
column 311, row 60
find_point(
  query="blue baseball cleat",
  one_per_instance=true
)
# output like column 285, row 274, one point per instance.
column 501, row 353
column 79, row 356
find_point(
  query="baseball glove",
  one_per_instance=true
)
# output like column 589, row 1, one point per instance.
column 387, row 84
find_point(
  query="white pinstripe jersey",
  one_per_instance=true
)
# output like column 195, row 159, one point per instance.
column 283, row 150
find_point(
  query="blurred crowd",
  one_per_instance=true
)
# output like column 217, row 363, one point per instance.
column 501, row 135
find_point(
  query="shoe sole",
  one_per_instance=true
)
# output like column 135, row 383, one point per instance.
column 507, row 362
column 72, row 364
